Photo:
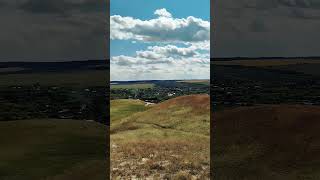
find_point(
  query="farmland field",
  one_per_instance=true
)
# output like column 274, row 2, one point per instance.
column 132, row 86
column 204, row 82
column 69, row 79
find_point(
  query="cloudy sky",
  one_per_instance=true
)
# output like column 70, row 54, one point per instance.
column 266, row 28
column 160, row 39
column 53, row 30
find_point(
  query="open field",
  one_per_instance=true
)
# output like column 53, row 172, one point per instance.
column 303, row 66
column 71, row 78
column 52, row 149
column 150, row 141
column 11, row 69
column 306, row 68
column 279, row 142
column 132, row 86
column 205, row 81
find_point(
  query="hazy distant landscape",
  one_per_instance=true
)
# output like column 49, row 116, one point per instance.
column 160, row 129
column 266, row 113
column 65, row 90
column 53, row 119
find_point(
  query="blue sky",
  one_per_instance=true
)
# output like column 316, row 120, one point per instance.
column 143, row 37
column 143, row 9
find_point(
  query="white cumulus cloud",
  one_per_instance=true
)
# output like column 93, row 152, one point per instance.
column 180, row 47
column 164, row 28
column 163, row 12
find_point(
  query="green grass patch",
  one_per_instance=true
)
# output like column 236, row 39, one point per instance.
column 202, row 82
column 122, row 108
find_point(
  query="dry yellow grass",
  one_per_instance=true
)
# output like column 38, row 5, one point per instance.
column 158, row 159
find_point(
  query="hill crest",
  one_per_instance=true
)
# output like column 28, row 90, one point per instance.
column 197, row 102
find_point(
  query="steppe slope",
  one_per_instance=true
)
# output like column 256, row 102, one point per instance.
column 170, row 139
column 267, row 142
column 52, row 149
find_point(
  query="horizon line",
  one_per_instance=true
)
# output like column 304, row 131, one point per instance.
column 265, row 57
column 156, row 80
column 55, row 61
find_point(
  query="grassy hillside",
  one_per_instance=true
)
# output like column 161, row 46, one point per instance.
column 170, row 139
column 52, row 149
column 279, row 142
column 122, row 108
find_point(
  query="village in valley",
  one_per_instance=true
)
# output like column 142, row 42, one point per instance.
column 36, row 101
column 157, row 90
column 244, row 83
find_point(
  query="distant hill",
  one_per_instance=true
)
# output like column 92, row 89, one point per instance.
column 39, row 67
column 72, row 73
column 265, row 58
column 173, row 131
column 281, row 69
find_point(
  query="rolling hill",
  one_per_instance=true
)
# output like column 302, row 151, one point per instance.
column 169, row 139
column 279, row 142
column 52, row 149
